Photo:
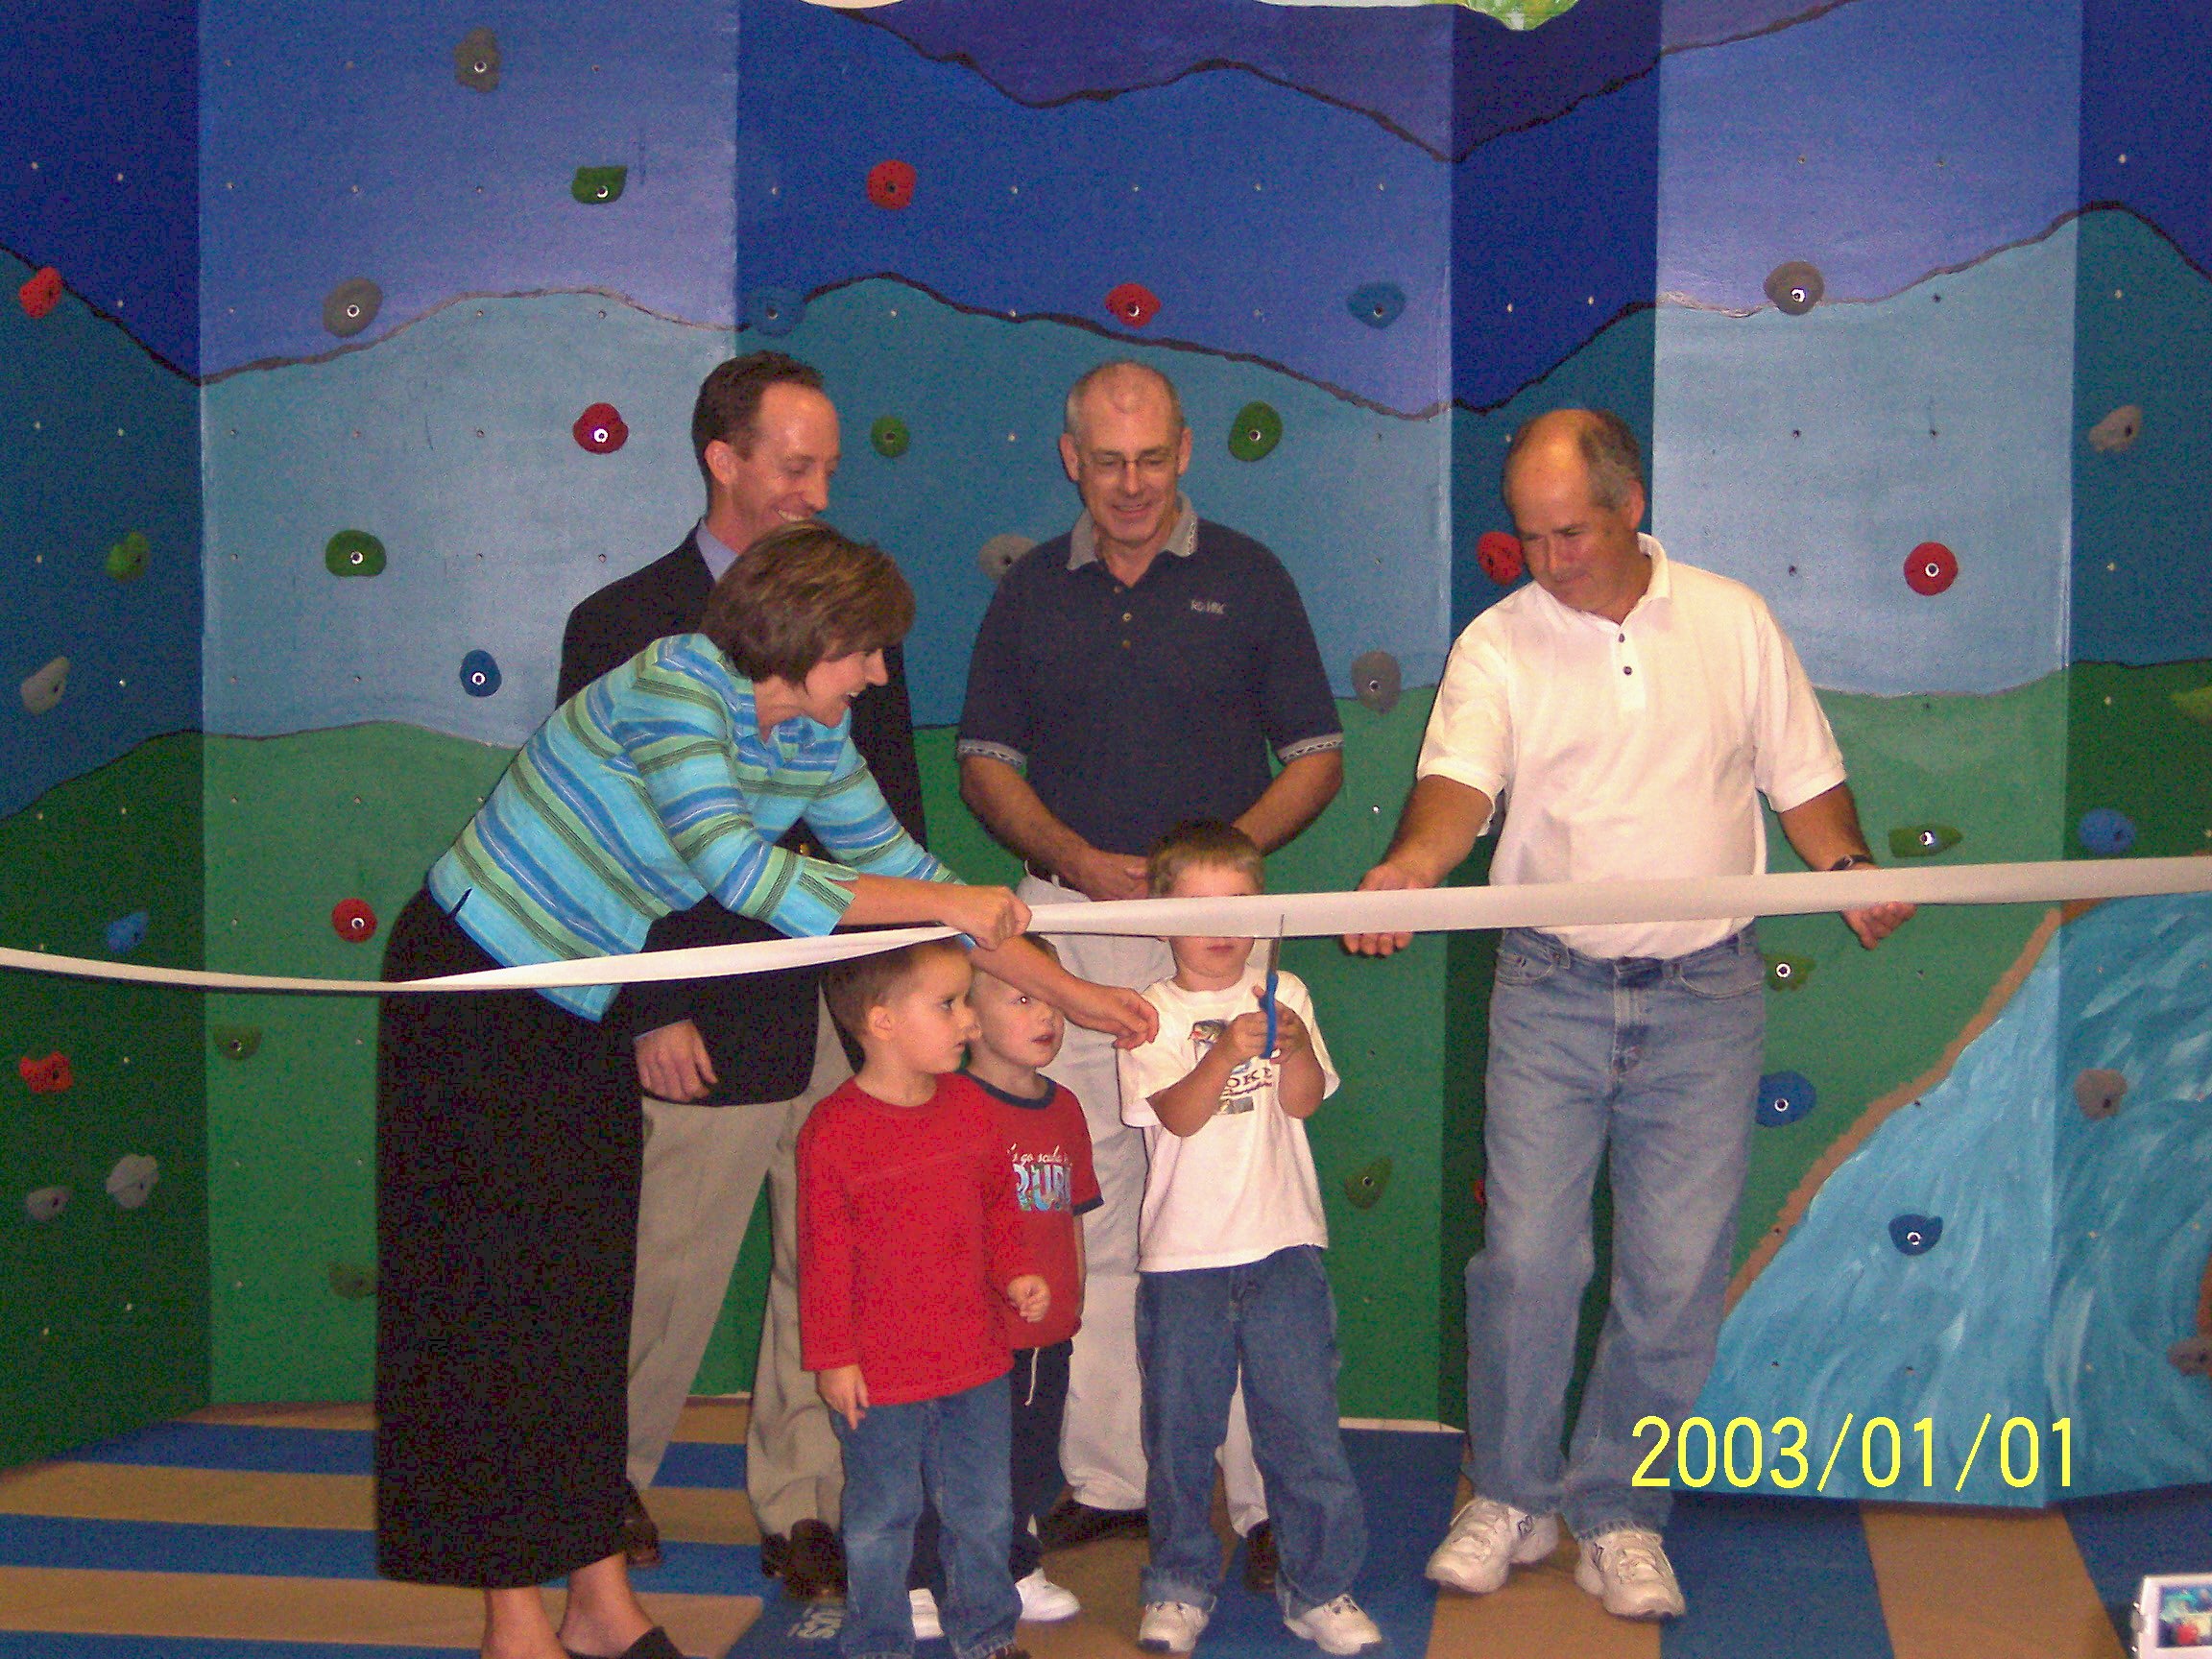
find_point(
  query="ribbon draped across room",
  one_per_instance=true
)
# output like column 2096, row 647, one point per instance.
column 1285, row 915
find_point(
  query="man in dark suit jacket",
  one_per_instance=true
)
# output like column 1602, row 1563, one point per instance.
column 730, row 1067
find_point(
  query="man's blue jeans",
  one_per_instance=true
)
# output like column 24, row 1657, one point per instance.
column 954, row 1446
column 1659, row 1060
column 1275, row 1319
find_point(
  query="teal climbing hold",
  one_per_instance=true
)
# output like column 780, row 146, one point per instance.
column 126, row 933
column 127, row 559
column 1922, row 840
column 353, row 553
column 1255, row 432
column 1363, row 1188
column 1378, row 304
column 594, row 185
column 236, row 1042
column 1786, row 973
column 890, row 437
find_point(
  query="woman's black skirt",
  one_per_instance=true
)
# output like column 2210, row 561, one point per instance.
column 508, row 1142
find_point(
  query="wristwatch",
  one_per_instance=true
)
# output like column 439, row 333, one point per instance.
column 1851, row 861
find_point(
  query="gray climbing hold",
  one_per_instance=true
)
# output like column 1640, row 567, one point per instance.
column 2117, row 430
column 131, row 1183
column 44, row 689
column 352, row 306
column 1376, row 680
column 352, row 1282
column 2099, row 1091
column 1796, row 286
column 476, row 60
column 236, row 1042
column 1001, row 553
column 46, row 1203
column 2191, row 1355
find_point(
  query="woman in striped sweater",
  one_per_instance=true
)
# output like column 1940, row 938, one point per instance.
column 508, row 1122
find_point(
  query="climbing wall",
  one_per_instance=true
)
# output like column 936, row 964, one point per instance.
column 103, row 1219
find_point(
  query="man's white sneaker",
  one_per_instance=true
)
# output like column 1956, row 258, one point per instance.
column 1338, row 1626
column 1044, row 1602
column 1627, row 1570
column 1171, row 1627
column 1487, row 1540
column 927, row 1627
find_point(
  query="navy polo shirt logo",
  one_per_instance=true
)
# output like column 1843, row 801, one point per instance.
column 1209, row 607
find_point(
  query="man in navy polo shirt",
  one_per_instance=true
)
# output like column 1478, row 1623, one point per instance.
column 1129, row 674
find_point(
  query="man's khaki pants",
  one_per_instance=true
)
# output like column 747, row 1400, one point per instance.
column 703, row 1170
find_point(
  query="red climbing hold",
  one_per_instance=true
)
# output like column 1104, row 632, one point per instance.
column 41, row 292
column 353, row 919
column 1134, row 303
column 1482, row 1194
column 1931, row 567
column 1499, row 556
column 47, row 1076
column 891, row 183
column 600, row 429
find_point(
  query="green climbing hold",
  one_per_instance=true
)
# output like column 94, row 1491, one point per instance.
column 236, row 1042
column 890, row 437
column 593, row 185
column 127, row 559
column 1922, row 840
column 353, row 1283
column 1786, row 973
column 1256, row 431
column 2195, row 704
column 353, row 553
column 1363, row 1188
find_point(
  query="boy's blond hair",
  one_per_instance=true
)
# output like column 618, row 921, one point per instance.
column 858, row 983
column 1198, row 841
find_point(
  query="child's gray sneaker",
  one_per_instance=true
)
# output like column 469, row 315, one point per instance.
column 1171, row 1627
column 1627, row 1570
column 1338, row 1626
column 1487, row 1540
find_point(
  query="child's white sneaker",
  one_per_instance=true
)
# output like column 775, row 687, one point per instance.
column 1338, row 1626
column 1627, row 1570
column 1171, row 1627
column 927, row 1627
column 1044, row 1602
column 1486, row 1541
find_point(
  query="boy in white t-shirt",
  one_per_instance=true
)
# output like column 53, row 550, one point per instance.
column 1229, row 1270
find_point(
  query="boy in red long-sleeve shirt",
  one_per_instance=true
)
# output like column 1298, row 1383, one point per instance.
column 909, row 1239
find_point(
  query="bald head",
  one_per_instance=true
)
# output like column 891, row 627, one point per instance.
column 1597, row 442
column 1123, row 387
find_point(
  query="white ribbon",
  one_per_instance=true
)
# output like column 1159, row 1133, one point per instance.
column 1287, row 915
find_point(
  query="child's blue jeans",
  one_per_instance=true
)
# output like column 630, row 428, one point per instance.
column 1274, row 1319
column 956, row 1447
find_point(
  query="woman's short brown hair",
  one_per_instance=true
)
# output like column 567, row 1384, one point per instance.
column 804, row 592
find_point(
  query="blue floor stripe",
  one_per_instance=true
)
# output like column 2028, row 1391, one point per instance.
column 42, row 1645
column 1764, row 1576
column 2133, row 1536
column 301, row 1552
column 698, row 1463
column 345, row 1452
column 232, row 1447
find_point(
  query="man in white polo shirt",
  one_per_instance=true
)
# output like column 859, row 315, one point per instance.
column 1626, row 712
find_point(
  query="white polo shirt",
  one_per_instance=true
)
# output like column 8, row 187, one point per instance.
column 1632, row 750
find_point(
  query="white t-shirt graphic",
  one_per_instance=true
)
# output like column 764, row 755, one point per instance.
column 1244, row 1185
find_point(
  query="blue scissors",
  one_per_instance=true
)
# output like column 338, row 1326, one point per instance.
column 1274, row 978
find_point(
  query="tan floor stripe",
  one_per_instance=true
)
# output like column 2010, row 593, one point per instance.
column 341, row 1610
column 716, row 1422
column 206, row 1497
column 1985, row 1584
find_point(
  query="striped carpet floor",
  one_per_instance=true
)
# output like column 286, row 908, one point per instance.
column 243, row 1533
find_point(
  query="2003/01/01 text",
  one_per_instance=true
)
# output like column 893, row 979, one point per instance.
column 1738, row 1454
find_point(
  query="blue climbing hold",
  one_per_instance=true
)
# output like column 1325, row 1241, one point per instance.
column 126, row 933
column 2105, row 833
column 1375, row 303
column 479, row 674
column 1916, row 1235
column 775, row 311
column 1784, row 1098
